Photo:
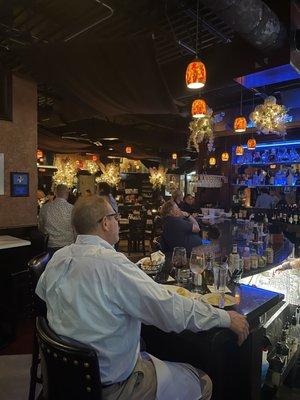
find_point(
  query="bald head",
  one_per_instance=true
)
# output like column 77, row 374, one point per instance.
column 87, row 213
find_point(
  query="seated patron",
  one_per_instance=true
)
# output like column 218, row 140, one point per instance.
column 97, row 296
column 179, row 228
column 188, row 204
column 177, row 197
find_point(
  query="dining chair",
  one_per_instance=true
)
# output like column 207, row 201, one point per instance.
column 70, row 368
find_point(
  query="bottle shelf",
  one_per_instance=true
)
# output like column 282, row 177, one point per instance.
column 254, row 186
column 258, row 164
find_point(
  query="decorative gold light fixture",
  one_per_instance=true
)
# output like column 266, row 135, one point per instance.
column 158, row 176
column 91, row 166
column 66, row 172
column 251, row 144
column 195, row 75
column 240, row 123
column 270, row 117
column 212, row 161
column 202, row 129
column 110, row 174
column 199, row 108
column 239, row 151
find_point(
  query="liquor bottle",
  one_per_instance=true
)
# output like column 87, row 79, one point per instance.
column 269, row 254
column 234, row 258
column 254, row 259
column 255, row 234
column 295, row 218
column 291, row 219
column 272, row 179
column 272, row 156
column 246, row 258
column 290, row 178
column 257, row 157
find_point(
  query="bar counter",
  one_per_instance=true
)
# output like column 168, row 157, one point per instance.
column 235, row 371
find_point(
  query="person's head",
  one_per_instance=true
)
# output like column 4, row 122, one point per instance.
column 177, row 196
column 170, row 209
column 104, row 189
column 62, row 191
column 189, row 199
column 93, row 215
column 40, row 194
column 50, row 196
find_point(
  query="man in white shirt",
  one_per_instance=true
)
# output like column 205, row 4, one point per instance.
column 97, row 296
column 55, row 220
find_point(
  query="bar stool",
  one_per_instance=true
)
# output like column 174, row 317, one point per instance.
column 70, row 368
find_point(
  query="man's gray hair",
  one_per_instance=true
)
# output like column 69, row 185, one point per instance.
column 87, row 212
column 62, row 190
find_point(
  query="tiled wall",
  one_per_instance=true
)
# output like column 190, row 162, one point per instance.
column 18, row 142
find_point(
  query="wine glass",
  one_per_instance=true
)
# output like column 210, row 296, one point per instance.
column 179, row 262
column 197, row 266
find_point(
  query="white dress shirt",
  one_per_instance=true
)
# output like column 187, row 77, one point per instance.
column 55, row 220
column 95, row 295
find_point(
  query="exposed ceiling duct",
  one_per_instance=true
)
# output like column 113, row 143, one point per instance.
column 253, row 20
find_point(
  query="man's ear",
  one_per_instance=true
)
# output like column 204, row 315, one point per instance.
column 104, row 223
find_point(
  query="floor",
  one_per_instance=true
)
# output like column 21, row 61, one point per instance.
column 15, row 360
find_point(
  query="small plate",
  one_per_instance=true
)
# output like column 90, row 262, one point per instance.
column 182, row 291
column 214, row 298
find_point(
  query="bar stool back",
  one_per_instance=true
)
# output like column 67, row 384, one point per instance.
column 70, row 368
column 36, row 267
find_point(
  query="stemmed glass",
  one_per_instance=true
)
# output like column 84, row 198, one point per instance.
column 179, row 262
column 197, row 266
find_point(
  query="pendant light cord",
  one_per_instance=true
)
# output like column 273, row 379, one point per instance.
column 241, row 105
column 197, row 29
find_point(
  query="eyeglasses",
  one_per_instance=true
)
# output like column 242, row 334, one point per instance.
column 115, row 215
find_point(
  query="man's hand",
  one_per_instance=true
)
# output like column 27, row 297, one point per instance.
column 239, row 325
column 283, row 267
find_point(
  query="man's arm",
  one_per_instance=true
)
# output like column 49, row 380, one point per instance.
column 140, row 297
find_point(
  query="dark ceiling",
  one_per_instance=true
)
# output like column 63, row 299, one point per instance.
column 156, row 122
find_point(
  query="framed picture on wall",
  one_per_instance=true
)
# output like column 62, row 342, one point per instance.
column 19, row 184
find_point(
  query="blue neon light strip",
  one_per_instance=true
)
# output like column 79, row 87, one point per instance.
column 277, row 144
column 281, row 73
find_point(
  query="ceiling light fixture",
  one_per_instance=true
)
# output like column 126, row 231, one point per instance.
column 110, row 138
column 240, row 123
column 195, row 75
column 199, row 109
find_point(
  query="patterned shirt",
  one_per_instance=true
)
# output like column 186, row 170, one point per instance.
column 55, row 220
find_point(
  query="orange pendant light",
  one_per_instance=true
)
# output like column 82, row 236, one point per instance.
column 174, row 156
column 239, row 151
column 225, row 156
column 195, row 76
column 212, row 161
column 128, row 150
column 199, row 109
column 251, row 144
column 240, row 124
column 39, row 154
